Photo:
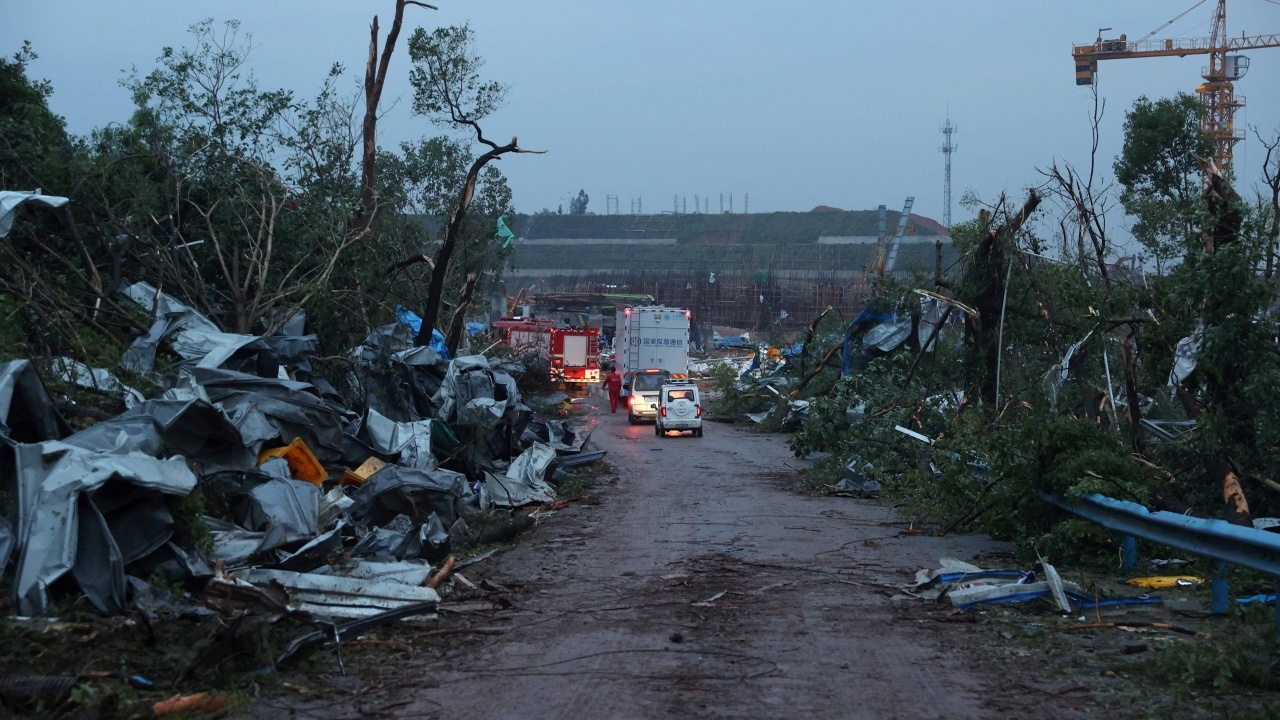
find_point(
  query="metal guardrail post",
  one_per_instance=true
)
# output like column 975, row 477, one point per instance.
column 1129, row 552
column 1219, row 591
column 1216, row 540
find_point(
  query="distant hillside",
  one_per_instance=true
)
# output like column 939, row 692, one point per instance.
column 698, row 229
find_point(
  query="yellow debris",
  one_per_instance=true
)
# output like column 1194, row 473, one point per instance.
column 1163, row 582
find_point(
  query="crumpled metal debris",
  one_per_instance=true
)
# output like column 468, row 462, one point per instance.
column 525, row 480
column 11, row 199
column 288, row 408
column 396, row 490
column 409, row 442
column 98, row 379
column 26, row 411
column 855, row 482
column 887, row 337
column 469, row 393
column 285, row 510
column 339, row 597
column 171, row 316
column 967, row 585
column 57, row 521
column 93, row 508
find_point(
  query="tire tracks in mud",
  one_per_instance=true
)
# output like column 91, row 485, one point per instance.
column 702, row 587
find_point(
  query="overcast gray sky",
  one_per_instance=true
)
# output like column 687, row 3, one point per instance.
column 834, row 102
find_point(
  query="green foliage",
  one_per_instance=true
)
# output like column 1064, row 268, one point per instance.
column 1247, row 656
column 1061, row 430
column 240, row 200
column 259, row 186
column 1159, row 169
column 578, row 205
column 35, row 149
column 189, row 512
column 579, row 482
column 731, row 397
column 447, row 88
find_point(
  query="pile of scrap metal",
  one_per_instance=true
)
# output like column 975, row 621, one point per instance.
column 251, row 481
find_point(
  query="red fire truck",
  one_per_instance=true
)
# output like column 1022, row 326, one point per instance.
column 574, row 354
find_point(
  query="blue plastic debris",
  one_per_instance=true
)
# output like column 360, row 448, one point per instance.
column 410, row 318
column 140, row 682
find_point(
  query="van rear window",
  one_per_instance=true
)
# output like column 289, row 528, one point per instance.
column 649, row 383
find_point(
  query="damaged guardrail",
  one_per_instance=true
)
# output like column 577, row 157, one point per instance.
column 1219, row 540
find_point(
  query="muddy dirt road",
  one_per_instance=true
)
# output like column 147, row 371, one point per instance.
column 702, row 585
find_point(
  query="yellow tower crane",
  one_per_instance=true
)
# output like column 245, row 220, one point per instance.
column 1217, row 93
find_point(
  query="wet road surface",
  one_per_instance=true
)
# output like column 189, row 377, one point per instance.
column 702, row 585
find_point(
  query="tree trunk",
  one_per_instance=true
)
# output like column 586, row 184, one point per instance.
column 375, row 77
column 454, row 337
column 431, row 314
column 982, row 332
column 1130, row 350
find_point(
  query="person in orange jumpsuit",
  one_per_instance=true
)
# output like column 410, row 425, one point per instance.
column 613, row 383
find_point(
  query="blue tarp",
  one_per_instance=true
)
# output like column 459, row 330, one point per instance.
column 870, row 314
column 408, row 317
column 474, row 327
column 793, row 350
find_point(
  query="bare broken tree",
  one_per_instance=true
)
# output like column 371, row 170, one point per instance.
column 1271, row 211
column 449, row 91
column 988, row 277
column 1086, row 205
column 374, row 78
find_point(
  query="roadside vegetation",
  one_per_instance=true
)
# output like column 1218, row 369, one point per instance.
column 1061, row 369
column 250, row 204
column 1051, row 371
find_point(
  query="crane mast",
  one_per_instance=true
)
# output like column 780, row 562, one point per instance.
column 1217, row 92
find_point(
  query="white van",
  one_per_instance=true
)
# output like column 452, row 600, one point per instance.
column 679, row 408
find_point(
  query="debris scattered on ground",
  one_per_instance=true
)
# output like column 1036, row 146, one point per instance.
column 1164, row 582
column 967, row 586
column 249, row 487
